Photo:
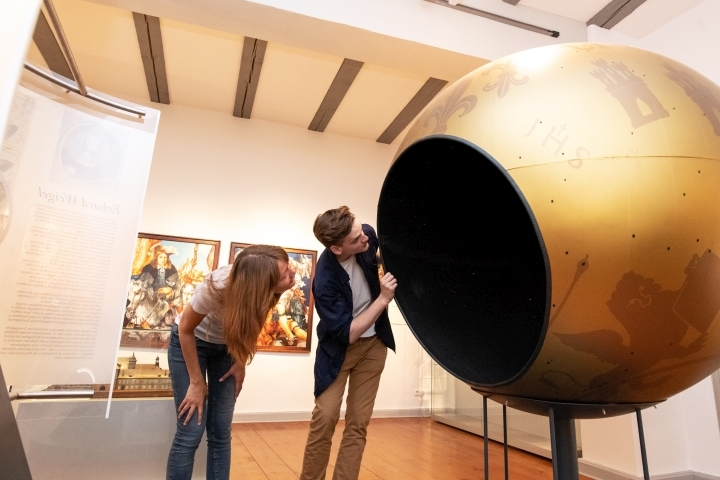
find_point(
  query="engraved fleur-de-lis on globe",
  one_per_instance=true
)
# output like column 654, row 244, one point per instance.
column 507, row 77
column 453, row 102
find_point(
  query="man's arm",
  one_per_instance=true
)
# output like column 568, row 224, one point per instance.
column 334, row 311
column 362, row 322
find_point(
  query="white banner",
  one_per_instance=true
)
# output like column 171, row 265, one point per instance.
column 76, row 175
column 17, row 20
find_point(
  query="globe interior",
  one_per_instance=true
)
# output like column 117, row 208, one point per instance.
column 473, row 274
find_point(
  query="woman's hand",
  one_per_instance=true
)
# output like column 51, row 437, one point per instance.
column 194, row 400
column 237, row 370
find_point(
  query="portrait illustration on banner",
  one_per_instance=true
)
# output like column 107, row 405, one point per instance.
column 165, row 272
column 288, row 326
column 89, row 155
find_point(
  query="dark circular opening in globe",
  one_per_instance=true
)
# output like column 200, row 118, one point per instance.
column 472, row 269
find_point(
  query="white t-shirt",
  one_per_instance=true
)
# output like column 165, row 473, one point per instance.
column 211, row 328
column 360, row 290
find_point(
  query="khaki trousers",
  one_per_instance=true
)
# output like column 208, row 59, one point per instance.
column 364, row 362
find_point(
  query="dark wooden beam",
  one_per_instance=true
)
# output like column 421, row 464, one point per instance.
column 251, row 63
column 426, row 93
column 335, row 94
column 512, row 2
column 147, row 28
column 49, row 48
column 614, row 12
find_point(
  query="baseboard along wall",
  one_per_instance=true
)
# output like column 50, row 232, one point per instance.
column 601, row 472
column 262, row 417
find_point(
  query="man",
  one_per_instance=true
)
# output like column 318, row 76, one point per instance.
column 353, row 337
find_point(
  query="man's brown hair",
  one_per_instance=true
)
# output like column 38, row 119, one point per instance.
column 332, row 226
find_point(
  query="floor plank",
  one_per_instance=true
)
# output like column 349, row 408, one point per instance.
column 265, row 455
column 286, row 439
column 242, row 464
column 397, row 449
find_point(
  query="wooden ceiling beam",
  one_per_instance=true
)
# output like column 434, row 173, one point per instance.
column 614, row 12
column 47, row 43
column 426, row 93
column 251, row 63
column 335, row 94
column 147, row 28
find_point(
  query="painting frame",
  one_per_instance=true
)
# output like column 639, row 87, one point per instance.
column 307, row 297
column 153, row 332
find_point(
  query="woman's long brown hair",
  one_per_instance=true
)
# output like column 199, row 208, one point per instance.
column 248, row 297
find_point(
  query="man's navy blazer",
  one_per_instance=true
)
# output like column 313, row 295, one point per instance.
column 334, row 305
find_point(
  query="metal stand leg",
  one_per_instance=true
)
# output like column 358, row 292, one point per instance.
column 564, row 447
column 13, row 462
column 485, row 438
column 505, row 444
column 643, row 453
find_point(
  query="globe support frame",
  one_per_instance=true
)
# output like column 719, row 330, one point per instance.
column 562, row 416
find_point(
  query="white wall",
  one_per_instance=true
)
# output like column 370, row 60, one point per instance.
column 610, row 443
column 701, row 427
column 218, row 177
column 682, row 433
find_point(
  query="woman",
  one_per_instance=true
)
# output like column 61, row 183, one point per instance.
column 216, row 335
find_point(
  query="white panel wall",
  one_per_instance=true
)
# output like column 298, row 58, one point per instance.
column 666, row 437
column 701, row 426
column 611, row 443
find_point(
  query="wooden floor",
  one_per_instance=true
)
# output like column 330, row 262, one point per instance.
column 397, row 449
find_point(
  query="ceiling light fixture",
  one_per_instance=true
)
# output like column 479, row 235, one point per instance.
column 614, row 12
column 497, row 18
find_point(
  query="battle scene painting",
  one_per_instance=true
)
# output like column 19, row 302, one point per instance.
column 288, row 326
column 165, row 272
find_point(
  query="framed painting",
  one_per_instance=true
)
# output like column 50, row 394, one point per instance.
column 165, row 272
column 288, row 326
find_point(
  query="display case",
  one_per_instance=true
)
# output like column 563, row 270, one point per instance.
column 134, row 379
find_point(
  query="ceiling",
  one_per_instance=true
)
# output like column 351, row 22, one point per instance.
column 202, row 44
column 649, row 16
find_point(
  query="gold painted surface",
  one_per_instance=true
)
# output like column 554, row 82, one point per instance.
column 615, row 150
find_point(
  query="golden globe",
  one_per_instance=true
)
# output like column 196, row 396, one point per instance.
column 553, row 219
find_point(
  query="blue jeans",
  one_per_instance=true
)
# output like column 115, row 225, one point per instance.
column 217, row 415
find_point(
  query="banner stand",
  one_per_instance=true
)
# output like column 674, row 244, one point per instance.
column 13, row 462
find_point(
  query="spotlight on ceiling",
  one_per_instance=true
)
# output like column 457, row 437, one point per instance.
column 454, row 4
